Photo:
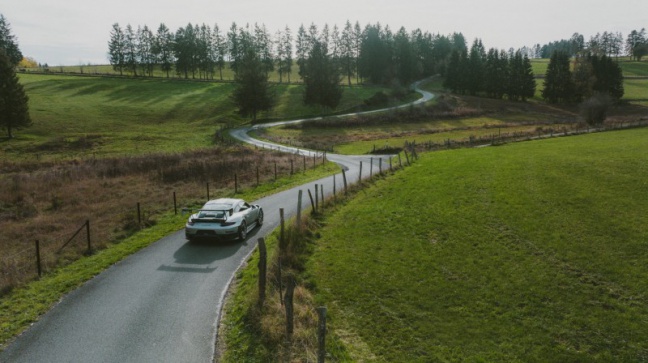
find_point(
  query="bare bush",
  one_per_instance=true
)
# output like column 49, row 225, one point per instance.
column 49, row 201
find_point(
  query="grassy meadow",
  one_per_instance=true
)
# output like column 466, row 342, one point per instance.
column 529, row 252
column 471, row 118
column 81, row 116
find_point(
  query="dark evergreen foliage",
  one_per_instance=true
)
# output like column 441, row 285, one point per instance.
column 8, row 42
column 253, row 92
column 14, row 103
column 321, row 78
column 558, row 83
column 116, row 49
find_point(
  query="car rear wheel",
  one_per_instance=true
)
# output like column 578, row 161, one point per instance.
column 242, row 231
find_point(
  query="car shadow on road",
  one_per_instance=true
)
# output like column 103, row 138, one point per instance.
column 199, row 256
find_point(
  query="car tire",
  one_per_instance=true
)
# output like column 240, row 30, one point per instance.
column 242, row 234
column 260, row 218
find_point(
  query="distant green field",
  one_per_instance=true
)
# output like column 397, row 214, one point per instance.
column 629, row 67
column 75, row 116
column 530, row 252
column 227, row 73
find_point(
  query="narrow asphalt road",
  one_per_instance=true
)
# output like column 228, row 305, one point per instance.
column 163, row 303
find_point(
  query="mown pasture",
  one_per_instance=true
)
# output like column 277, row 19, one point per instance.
column 526, row 252
column 81, row 116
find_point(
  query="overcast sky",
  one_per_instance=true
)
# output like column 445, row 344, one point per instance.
column 74, row 32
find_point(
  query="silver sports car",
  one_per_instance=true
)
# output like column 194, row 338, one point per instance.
column 224, row 218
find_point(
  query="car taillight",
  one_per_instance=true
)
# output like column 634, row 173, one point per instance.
column 225, row 224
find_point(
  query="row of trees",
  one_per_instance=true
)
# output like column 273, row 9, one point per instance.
column 592, row 74
column 606, row 43
column 373, row 53
column 495, row 74
column 14, row 107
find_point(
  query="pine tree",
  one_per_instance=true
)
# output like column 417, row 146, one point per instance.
column 219, row 46
column 301, row 49
column 14, row 103
column 405, row 59
column 253, row 92
column 130, row 50
column 527, row 79
column 608, row 77
column 284, row 53
column 116, row 49
column 8, row 42
column 475, row 79
column 321, row 79
column 451, row 80
column 233, row 47
column 558, row 83
column 145, row 41
column 493, row 74
column 163, row 48
column 347, row 54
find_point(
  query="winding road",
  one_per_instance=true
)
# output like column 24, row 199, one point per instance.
column 163, row 303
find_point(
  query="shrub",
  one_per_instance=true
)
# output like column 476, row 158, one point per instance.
column 594, row 109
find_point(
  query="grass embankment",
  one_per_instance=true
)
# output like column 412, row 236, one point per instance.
column 525, row 252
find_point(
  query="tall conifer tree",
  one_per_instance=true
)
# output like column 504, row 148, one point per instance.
column 14, row 103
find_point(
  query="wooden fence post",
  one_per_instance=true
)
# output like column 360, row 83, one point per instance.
column 304, row 163
column 139, row 215
column 310, row 195
column 333, row 185
column 299, row 204
column 380, row 166
column 38, row 258
column 322, row 199
column 290, row 289
column 263, row 263
column 291, row 166
column 370, row 168
column 88, row 235
column 407, row 158
column 345, row 181
column 321, row 334
column 400, row 163
column 282, row 235
column 316, row 197
column 360, row 174
column 175, row 204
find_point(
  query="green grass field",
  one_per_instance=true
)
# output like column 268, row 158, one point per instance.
column 75, row 116
column 629, row 67
column 530, row 252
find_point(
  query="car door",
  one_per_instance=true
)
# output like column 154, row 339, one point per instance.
column 244, row 209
